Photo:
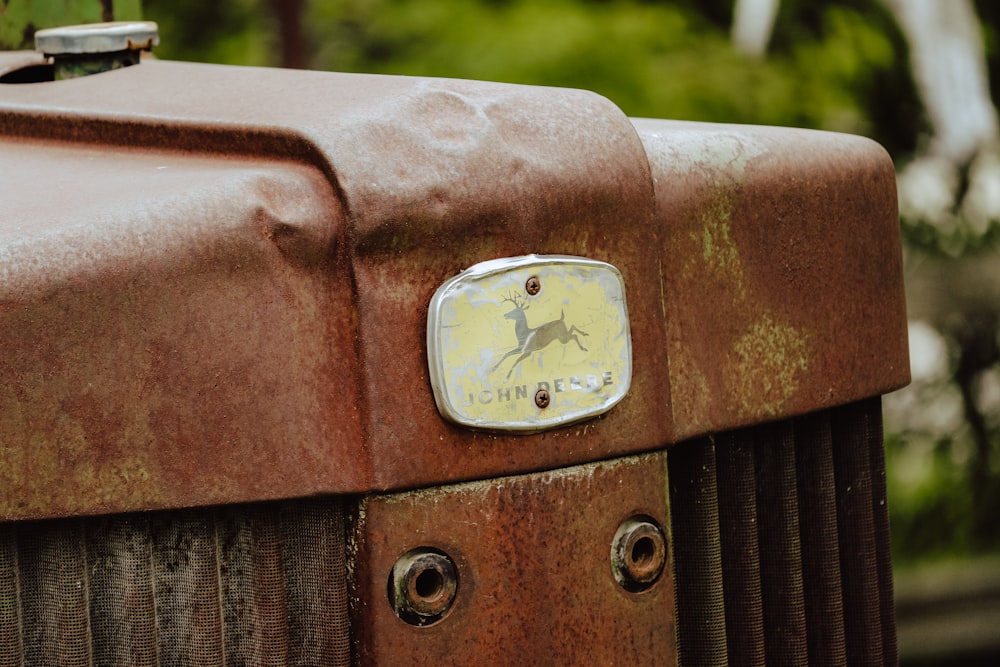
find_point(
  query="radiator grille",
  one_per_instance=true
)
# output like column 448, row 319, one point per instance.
column 261, row 584
column 781, row 543
column 779, row 531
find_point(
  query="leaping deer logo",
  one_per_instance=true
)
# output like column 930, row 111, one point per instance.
column 533, row 339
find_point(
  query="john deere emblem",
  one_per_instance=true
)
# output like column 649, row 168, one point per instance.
column 533, row 339
column 528, row 343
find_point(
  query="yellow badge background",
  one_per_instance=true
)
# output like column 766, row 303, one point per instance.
column 473, row 335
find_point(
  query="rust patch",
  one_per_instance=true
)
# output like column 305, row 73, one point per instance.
column 253, row 289
column 169, row 336
column 781, row 271
column 535, row 580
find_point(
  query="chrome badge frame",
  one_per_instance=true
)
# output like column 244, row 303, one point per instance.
column 529, row 343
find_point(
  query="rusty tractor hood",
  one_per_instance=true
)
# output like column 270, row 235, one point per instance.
column 214, row 281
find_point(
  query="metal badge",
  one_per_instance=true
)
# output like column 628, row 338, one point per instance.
column 529, row 343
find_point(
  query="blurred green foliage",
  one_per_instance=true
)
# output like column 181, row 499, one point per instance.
column 934, row 515
column 19, row 19
column 235, row 32
column 829, row 68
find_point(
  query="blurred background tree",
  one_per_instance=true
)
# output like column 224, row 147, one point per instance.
column 827, row 68
column 842, row 65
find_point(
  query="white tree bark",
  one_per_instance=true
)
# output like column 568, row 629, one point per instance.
column 946, row 53
column 949, row 69
column 753, row 22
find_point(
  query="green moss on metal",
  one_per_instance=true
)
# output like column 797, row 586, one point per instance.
column 720, row 255
column 771, row 357
column 51, row 463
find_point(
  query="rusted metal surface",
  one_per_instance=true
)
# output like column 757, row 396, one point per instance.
column 167, row 332
column 535, row 582
column 425, row 177
column 782, row 271
column 206, row 301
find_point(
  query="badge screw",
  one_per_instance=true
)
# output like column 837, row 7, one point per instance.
column 532, row 286
column 542, row 398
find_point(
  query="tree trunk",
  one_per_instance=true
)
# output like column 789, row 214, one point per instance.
column 294, row 53
column 753, row 22
column 949, row 69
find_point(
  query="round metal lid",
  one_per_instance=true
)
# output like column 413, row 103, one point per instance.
column 96, row 38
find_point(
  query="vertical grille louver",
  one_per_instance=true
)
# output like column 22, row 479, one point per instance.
column 240, row 585
column 781, row 549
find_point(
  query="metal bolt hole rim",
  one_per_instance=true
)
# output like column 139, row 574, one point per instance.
column 422, row 586
column 638, row 553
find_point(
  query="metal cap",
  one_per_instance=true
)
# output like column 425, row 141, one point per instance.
column 97, row 38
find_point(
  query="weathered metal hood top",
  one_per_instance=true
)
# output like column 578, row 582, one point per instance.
column 214, row 281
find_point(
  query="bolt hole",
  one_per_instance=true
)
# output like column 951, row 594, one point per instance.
column 422, row 586
column 429, row 584
column 643, row 552
column 638, row 553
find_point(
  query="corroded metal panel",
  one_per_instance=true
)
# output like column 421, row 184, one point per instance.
column 205, row 302
column 533, row 559
column 167, row 330
column 782, row 271
column 422, row 179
